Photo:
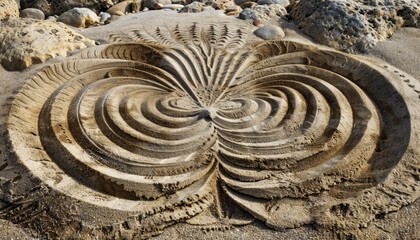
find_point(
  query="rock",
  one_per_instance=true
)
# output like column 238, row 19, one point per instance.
column 32, row 13
column 103, row 17
column 283, row 3
column 43, row 5
column 229, row 5
column 247, row 14
column 175, row 7
column 267, row 12
column 182, row 2
column 216, row 4
column 208, row 8
column 248, row 5
column 264, row 12
column 353, row 25
column 258, row 22
column 57, row 7
column 205, row 2
column 156, row 4
column 112, row 19
column 52, row 18
column 269, row 32
column 233, row 10
column 193, row 7
column 8, row 9
column 242, row 2
column 122, row 8
column 79, row 17
column 29, row 41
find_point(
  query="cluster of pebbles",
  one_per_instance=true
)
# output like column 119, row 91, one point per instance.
column 28, row 25
column 351, row 26
column 81, row 16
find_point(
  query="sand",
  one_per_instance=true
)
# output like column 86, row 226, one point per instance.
column 399, row 51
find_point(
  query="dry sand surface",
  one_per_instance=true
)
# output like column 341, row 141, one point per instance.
column 402, row 51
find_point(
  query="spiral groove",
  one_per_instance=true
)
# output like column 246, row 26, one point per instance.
column 183, row 113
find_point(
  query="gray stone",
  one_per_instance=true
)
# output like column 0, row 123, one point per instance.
column 193, row 7
column 32, row 13
column 43, row 5
column 284, row 3
column 176, row 7
column 208, row 8
column 57, row 7
column 247, row 14
column 52, row 18
column 353, row 25
column 241, row 2
column 269, row 32
column 182, row 2
column 156, row 4
column 216, row 4
column 103, row 16
column 79, row 17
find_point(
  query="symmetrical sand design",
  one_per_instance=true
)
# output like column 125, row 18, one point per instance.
column 194, row 123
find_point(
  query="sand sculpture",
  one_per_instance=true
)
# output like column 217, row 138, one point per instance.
column 197, row 124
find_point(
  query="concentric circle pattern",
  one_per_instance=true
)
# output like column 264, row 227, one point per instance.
column 190, row 122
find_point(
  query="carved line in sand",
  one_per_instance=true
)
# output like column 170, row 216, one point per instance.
column 195, row 122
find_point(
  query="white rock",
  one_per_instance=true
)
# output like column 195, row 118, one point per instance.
column 156, row 4
column 269, row 32
column 79, row 17
column 284, row 3
column 173, row 7
column 32, row 13
column 103, row 16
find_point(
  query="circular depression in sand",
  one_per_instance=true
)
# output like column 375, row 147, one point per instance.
column 187, row 120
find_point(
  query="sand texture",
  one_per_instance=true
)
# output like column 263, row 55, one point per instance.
column 198, row 129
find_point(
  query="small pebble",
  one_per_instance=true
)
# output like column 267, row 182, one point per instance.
column 284, row 3
column 182, row 2
column 193, row 7
column 247, row 14
column 269, row 32
column 248, row 5
column 52, row 18
column 103, row 16
column 32, row 13
column 79, row 17
column 176, row 7
column 258, row 22
column 233, row 10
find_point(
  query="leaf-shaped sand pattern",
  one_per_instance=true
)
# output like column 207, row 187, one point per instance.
column 194, row 123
